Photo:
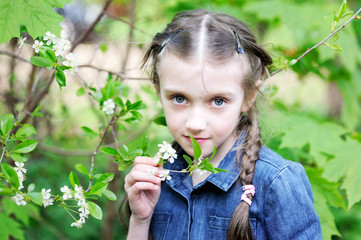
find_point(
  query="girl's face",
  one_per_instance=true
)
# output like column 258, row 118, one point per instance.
column 202, row 100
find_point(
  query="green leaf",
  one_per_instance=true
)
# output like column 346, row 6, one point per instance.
column 31, row 187
column 346, row 165
column 10, row 175
column 7, row 123
column 38, row 17
column 123, row 165
column 25, row 146
column 5, row 191
column 110, row 195
column 73, row 179
column 98, row 188
column 221, row 170
column 36, row 198
column 50, row 55
column 196, row 149
column 119, row 102
column 41, row 62
column 137, row 115
column 60, row 77
column 110, row 151
column 25, row 131
column 188, row 159
column 89, row 132
column 10, row 227
column 80, row 92
column 136, row 106
column 36, row 112
column 325, row 194
column 340, row 157
column 160, row 121
column 16, row 157
column 105, row 178
column 340, row 11
column 335, row 47
column 95, row 210
column 82, row 169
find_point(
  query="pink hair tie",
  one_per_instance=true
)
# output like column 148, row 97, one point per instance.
column 248, row 189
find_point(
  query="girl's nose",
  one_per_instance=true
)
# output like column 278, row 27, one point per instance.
column 196, row 123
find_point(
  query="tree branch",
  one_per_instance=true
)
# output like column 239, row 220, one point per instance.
column 86, row 33
column 119, row 74
column 322, row 42
column 13, row 55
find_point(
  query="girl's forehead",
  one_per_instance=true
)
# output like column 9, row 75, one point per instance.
column 173, row 69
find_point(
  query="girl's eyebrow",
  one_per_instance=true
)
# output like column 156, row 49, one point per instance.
column 216, row 93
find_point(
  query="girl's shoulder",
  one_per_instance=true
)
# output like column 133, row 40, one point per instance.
column 271, row 165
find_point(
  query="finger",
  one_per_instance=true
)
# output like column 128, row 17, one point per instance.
column 145, row 160
column 142, row 175
column 141, row 186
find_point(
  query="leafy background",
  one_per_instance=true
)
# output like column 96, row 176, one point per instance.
column 309, row 113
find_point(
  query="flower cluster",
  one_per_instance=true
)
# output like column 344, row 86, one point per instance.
column 165, row 152
column 58, row 46
column 164, row 175
column 108, row 106
column 20, row 170
column 47, row 201
column 71, row 61
column 19, row 199
column 83, row 205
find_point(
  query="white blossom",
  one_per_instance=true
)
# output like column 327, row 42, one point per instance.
column 67, row 192
column 108, row 106
column 48, row 202
column 21, row 41
column 49, row 37
column 167, row 152
column 20, row 167
column 45, row 193
column 37, row 45
column 78, row 223
column 71, row 60
column 19, row 199
column 164, row 175
column 78, row 195
column 84, row 212
column 58, row 48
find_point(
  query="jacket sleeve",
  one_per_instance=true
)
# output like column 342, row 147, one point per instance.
column 288, row 208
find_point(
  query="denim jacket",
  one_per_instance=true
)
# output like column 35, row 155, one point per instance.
column 282, row 207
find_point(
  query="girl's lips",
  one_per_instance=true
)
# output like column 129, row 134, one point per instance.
column 199, row 140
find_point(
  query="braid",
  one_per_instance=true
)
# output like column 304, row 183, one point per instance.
column 239, row 227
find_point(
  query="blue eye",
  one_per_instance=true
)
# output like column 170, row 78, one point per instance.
column 218, row 102
column 178, row 99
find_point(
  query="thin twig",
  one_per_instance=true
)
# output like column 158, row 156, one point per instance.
column 133, row 26
column 322, row 42
column 86, row 33
column 111, row 122
column 13, row 55
column 3, row 153
column 119, row 74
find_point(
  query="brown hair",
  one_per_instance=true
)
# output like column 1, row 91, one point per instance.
column 219, row 35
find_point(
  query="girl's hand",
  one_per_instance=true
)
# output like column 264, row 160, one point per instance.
column 142, row 188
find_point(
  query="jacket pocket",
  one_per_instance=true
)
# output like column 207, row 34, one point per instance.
column 218, row 227
column 159, row 225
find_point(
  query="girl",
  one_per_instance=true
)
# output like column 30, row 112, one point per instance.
column 207, row 69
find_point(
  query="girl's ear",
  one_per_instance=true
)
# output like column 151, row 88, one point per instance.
column 247, row 104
